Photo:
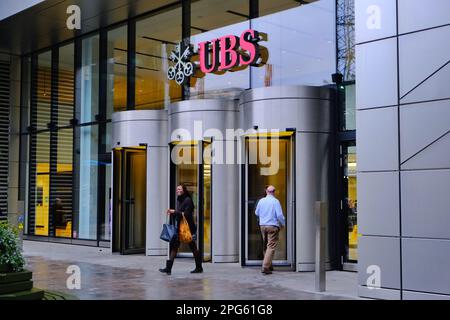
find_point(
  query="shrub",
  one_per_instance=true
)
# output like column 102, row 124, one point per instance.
column 10, row 254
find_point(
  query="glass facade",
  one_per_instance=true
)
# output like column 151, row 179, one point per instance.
column 76, row 87
column 156, row 37
column 117, row 70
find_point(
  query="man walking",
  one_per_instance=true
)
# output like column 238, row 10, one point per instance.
column 271, row 220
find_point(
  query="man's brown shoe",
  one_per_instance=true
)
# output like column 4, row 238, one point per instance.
column 266, row 271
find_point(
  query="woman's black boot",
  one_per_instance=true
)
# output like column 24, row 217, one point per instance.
column 168, row 268
column 198, row 264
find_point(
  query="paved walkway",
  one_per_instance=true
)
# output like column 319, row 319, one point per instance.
column 110, row 276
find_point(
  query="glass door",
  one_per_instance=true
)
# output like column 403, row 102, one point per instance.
column 261, row 171
column 350, row 202
column 129, row 198
column 191, row 168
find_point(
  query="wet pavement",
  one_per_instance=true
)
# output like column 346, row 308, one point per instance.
column 114, row 277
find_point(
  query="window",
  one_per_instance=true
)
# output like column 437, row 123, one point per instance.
column 301, row 45
column 210, row 20
column 156, row 37
column 85, row 224
column 117, row 71
column 44, row 91
column 90, row 65
column 347, row 95
column 62, row 172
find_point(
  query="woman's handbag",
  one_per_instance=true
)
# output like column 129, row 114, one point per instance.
column 185, row 235
column 169, row 232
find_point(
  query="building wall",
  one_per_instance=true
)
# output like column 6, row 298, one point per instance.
column 403, row 139
column 6, row 88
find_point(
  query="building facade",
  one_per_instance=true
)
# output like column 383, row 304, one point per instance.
column 403, row 147
column 106, row 121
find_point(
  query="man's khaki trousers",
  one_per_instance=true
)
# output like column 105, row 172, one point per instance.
column 270, row 237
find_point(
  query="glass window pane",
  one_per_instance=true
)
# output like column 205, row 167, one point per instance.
column 66, row 84
column 301, row 46
column 350, row 169
column 44, row 90
column 105, row 227
column 62, row 195
column 156, row 37
column 269, row 6
column 117, row 70
column 210, row 20
column 40, row 185
column 89, row 79
column 85, row 224
column 348, row 107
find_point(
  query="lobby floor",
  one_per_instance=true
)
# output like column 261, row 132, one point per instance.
column 110, row 276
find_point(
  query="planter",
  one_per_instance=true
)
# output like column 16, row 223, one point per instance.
column 4, row 268
column 18, row 286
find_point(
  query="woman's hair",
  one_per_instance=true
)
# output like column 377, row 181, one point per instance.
column 185, row 190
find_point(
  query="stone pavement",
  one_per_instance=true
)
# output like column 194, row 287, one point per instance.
column 110, row 276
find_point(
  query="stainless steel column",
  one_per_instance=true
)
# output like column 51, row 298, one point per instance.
column 211, row 118
column 135, row 128
column 308, row 110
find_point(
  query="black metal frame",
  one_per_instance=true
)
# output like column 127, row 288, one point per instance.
column 244, row 231
column 342, row 139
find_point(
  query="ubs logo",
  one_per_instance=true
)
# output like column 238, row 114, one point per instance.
column 182, row 68
column 227, row 53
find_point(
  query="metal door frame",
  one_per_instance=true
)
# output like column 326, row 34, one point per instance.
column 290, row 205
column 199, row 205
column 124, row 190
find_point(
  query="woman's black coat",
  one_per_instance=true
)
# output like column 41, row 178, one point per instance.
column 185, row 205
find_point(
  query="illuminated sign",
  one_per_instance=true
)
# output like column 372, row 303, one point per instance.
column 227, row 53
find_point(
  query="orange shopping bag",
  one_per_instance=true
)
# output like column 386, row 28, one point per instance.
column 185, row 235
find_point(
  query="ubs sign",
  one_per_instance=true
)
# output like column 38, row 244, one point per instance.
column 227, row 53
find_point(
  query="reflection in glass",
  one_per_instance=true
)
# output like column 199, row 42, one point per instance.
column 62, row 195
column 66, row 84
column 257, row 183
column 350, row 179
column 211, row 19
column 156, row 37
column 348, row 106
column 269, row 6
column 207, row 254
column 105, row 227
column 117, row 71
column 88, row 173
column 187, row 173
column 89, row 79
column 40, row 196
column 301, row 46
column 135, row 201
column 44, row 90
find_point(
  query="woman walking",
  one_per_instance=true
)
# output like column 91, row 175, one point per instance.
column 184, row 207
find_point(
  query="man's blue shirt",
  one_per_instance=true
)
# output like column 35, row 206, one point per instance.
column 270, row 212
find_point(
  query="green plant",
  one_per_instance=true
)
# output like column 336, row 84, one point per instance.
column 10, row 254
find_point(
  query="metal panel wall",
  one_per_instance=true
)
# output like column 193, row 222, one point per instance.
column 403, row 147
